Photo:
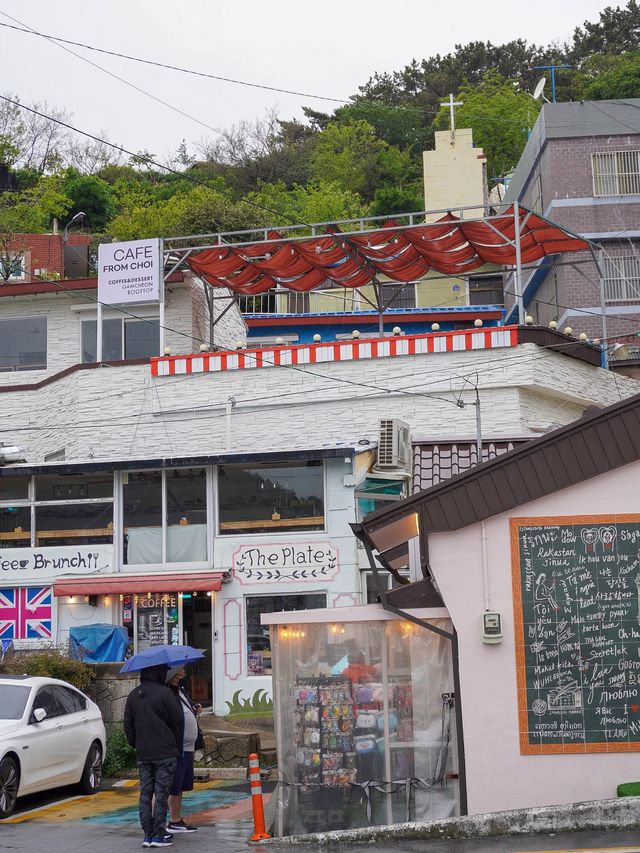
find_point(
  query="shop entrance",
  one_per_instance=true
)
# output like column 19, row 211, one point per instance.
column 196, row 632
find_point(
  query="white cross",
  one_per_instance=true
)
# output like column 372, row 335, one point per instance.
column 451, row 104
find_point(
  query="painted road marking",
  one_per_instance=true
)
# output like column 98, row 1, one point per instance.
column 119, row 805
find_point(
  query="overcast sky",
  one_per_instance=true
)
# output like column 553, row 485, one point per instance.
column 327, row 48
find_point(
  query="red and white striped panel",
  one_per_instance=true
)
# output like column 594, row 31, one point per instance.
column 355, row 350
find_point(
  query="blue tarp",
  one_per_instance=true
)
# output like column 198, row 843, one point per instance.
column 98, row 643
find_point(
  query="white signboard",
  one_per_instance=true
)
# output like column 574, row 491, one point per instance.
column 129, row 272
column 304, row 562
column 20, row 566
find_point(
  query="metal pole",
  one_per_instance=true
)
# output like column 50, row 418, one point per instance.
column 161, row 330
column 603, row 311
column 478, row 428
column 517, row 280
column 99, row 333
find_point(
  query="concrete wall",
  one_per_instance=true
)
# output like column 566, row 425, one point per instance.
column 454, row 173
column 498, row 776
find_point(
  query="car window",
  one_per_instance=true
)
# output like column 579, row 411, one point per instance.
column 69, row 700
column 13, row 700
column 46, row 699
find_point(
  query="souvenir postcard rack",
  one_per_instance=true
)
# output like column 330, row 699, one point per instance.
column 324, row 732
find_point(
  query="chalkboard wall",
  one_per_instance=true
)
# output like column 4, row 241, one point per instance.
column 576, row 592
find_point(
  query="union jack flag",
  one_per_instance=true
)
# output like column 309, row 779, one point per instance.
column 25, row 613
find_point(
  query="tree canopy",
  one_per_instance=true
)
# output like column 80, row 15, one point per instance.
column 364, row 158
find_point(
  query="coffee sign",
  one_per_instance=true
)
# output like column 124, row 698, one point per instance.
column 24, row 565
column 305, row 562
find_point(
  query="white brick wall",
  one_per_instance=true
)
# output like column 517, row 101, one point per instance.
column 124, row 412
column 186, row 324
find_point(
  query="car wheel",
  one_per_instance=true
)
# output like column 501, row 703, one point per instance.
column 92, row 773
column 8, row 786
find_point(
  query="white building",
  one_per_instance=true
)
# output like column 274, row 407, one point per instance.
column 186, row 495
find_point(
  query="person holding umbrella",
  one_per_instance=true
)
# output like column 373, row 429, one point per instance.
column 153, row 725
column 184, row 776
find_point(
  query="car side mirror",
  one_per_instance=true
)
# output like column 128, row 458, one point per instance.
column 38, row 715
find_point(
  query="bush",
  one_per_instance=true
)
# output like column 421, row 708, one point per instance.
column 50, row 664
column 120, row 756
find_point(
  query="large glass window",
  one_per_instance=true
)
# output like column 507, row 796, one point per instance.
column 69, row 487
column 15, row 527
column 142, row 516
column 14, row 488
column 74, row 524
column 121, row 338
column 270, row 498
column 186, row 515
column 258, row 643
column 23, row 343
column 73, row 509
column 186, row 520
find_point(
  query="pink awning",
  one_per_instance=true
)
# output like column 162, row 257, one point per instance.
column 169, row 582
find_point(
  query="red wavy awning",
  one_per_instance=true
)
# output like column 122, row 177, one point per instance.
column 451, row 245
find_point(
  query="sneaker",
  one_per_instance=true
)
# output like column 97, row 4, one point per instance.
column 175, row 826
column 147, row 841
column 160, row 841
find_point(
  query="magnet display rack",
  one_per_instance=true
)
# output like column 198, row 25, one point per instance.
column 323, row 732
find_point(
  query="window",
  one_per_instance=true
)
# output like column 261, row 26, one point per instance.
column 69, row 700
column 375, row 493
column 185, row 525
column 399, row 296
column 370, row 590
column 121, row 339
column 71, row 510
column 616, row 173
column 46, row 699
column 621, row 278
column 258, row 643
column 23, row 343
column 270, row 498
column 12, row 267
column 486, row 290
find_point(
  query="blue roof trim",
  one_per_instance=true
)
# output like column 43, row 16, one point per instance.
column 388, row 312
column 532, row 287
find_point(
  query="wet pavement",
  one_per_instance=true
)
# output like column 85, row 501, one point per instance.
column 108, row 823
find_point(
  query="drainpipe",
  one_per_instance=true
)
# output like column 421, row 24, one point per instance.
column 227, row 416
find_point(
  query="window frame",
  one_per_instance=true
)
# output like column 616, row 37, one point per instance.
column 605, row 180
column 122, row 322
column 623, row 280
column 31, row 502
column 276, row 531
column 210, row 532
column 264, row 595
column 18, row 368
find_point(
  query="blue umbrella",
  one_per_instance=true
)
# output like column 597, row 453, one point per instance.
column 171, row 655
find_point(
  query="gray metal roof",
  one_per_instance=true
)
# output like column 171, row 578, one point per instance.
column 594, row 444
column 572, row 120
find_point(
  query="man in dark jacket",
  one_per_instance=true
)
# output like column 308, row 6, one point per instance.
column 152, row 724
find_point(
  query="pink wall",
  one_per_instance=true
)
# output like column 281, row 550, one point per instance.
column 498, row 776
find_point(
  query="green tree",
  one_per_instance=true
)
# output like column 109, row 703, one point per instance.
column 352, row 155
column 91, row 195
column 604, row 76
column 318, row 201
column 31, row 211
column 500, row 116
column 617, row 31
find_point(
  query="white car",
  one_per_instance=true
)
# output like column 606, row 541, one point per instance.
column 51, row 734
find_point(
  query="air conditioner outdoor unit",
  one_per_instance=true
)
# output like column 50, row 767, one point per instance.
column 394, row 444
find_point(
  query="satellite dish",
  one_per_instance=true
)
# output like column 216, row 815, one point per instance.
column 537, row 92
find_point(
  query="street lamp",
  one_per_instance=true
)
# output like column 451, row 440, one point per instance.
column 79, row 215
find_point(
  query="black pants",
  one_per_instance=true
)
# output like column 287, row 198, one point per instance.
column 155, row 780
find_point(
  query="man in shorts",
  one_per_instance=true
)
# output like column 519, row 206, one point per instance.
column 183, row 777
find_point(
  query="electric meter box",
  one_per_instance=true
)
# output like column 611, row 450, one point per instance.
column 491, row 627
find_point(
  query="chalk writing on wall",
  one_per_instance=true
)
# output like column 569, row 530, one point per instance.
column 576, row 592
